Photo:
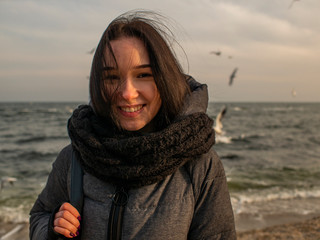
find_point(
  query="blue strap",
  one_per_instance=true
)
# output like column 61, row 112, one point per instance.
column 76, row 198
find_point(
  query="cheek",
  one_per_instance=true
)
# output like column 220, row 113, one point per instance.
column 152, row 91
column 156, row 100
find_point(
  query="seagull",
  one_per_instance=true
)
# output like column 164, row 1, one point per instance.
column 218, row 123
column 4, row 180
column 218, row 53
column 91, row 51
column 232, row 76
column 293, row 1
column 293, row 93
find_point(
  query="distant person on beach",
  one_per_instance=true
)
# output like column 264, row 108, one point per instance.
column 144, row 143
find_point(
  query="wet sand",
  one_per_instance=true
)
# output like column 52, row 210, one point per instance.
column 306, row 230
column 14, row 231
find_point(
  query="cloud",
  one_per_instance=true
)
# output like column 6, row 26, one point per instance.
column 48, row 40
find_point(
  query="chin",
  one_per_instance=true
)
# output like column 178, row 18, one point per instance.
column 132, row 128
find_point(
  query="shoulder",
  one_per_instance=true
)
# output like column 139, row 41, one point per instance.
column 206, row 168
column 207, row 165
column 63, row 160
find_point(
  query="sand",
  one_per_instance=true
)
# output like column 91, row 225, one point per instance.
column 306, row 230
column 14, row 231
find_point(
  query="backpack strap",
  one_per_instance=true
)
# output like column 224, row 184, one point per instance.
column 76, row 191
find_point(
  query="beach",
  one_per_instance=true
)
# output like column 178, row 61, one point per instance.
column 305, row 230
column 14, row 231
column 270, row 152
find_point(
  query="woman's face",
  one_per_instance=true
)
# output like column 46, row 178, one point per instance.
column 137, row 99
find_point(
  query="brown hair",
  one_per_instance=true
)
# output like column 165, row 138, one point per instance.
column 167, row 72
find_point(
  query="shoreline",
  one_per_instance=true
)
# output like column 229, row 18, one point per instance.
column 14, row 231
column 307, row 229
column 250, row 222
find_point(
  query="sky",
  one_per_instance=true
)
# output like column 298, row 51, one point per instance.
column 275, row 45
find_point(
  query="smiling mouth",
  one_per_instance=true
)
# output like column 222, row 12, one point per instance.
column 131, row 109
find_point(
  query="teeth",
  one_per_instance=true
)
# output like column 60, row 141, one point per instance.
column 131, row 109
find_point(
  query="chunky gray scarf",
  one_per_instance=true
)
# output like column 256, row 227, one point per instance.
column 135, row 160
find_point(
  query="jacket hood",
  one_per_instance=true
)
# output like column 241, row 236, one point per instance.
column 197, row 100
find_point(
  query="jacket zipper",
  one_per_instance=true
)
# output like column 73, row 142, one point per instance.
column 119, row 201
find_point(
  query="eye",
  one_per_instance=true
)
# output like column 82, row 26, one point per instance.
column 111, row 77
column 144, row 75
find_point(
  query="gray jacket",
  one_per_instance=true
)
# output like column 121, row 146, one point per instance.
column 192, row 203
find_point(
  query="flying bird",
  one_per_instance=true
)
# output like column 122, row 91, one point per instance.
column 218, row 53
column 293, row 92
column 91, row 51
column 5, row 180
column 293, row 1
column 218, row 123
column 232, row 76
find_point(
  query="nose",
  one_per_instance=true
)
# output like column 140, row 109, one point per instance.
column 127, row 90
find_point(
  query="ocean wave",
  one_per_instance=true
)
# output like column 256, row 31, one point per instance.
column 223, row 139
column 32, row 139
column 244, row 180
column 270, row 211
column 244, row 138
column 20, row 156
column 33, row 155
column 248, row 137
column 275, row 194
column 16, row 214
column 40, row 139
column 8, row 150
column 314, row 139
column 285, row 126
column 34, row 111
column 230, row 156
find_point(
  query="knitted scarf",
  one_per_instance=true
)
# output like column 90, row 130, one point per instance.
column 135, row 160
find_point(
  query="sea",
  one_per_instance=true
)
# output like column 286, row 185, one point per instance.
column 270, row 152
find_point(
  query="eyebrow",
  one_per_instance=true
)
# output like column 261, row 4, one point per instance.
column 107, row 68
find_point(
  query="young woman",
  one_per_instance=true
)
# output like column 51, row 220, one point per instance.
column 145, row 145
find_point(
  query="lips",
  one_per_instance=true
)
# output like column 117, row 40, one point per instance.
column 131, row 109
